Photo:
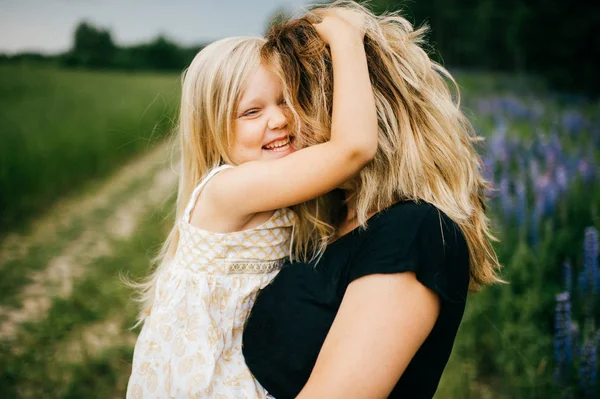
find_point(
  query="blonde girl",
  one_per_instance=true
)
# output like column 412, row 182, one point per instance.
column 239, row 174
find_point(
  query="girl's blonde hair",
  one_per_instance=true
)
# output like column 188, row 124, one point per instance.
column 426, row 144
column 211, row 89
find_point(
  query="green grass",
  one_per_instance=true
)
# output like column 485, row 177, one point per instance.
column 60, row 128
column 15, row 273
column 39, row 368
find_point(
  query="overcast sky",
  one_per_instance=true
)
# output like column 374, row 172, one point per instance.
column 47, row 25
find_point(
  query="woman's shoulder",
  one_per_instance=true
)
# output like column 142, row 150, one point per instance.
column 414, row 215
column 407, row 209
column 404, row 217
column 418, row 237
column 407, row 224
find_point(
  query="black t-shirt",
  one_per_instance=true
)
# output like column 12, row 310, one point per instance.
column 291, row 316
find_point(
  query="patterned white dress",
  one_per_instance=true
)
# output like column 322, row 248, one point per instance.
column 190, row 346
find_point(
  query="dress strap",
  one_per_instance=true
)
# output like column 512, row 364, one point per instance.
column 198, row 189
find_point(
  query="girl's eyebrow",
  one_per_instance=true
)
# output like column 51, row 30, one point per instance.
column 250, row 103
column 255, row 102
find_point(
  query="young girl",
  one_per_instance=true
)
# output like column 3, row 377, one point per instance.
column 233, row 229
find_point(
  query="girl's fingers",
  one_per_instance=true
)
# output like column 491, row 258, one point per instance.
column 330, row 23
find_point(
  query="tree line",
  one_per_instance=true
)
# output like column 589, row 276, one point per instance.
column 94, row 48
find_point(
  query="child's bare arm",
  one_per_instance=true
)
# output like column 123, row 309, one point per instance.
column 313, row 171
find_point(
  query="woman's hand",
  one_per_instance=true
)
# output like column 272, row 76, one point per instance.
column 340, row 24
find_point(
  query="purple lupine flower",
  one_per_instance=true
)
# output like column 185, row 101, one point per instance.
column 585, row 169
column 573, row 121
column 550, row 158
column 534, row 169
column 555, row 143
column 588, row 277
column 497, row 145
column 515, row 108
column 562, row 334
column 543, row 157
column 590, row 251
column 542, row 183
column 562, row 177
column 588, row 368
column 543, row 194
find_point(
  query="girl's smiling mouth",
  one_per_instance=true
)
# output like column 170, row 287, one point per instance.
column 279, row 145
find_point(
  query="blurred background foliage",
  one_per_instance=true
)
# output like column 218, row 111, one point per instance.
column 86, row 193
column 555, row 39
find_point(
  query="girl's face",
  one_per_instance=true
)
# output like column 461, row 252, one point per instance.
column 261, row 129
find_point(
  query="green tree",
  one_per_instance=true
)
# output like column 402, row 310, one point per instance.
column 163, row 54
column 92, row 47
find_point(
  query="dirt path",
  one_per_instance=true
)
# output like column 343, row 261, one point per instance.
column 110, row 212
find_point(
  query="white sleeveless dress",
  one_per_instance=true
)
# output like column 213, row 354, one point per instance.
column 190, row 345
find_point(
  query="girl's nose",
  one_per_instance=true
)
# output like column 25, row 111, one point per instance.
column 278, row 119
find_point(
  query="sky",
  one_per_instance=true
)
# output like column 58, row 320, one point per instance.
column 47, row 26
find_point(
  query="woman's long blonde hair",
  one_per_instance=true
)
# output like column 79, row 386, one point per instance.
column 426, row 144
column 211, row 89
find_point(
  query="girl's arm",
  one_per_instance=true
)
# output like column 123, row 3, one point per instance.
column 381, row 323
column 310, row 172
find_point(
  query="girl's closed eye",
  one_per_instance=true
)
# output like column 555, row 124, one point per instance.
column 250, row 112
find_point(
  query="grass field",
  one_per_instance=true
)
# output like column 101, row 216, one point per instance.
column 60, row 128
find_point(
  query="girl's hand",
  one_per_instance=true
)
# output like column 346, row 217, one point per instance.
column 340, row 24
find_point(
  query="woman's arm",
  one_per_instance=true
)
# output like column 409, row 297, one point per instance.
column 316, row 170
column 381, row 323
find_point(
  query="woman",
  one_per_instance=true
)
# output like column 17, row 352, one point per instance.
column 376, row 314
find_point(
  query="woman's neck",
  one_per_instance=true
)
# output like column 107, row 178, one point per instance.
column 350, row 221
